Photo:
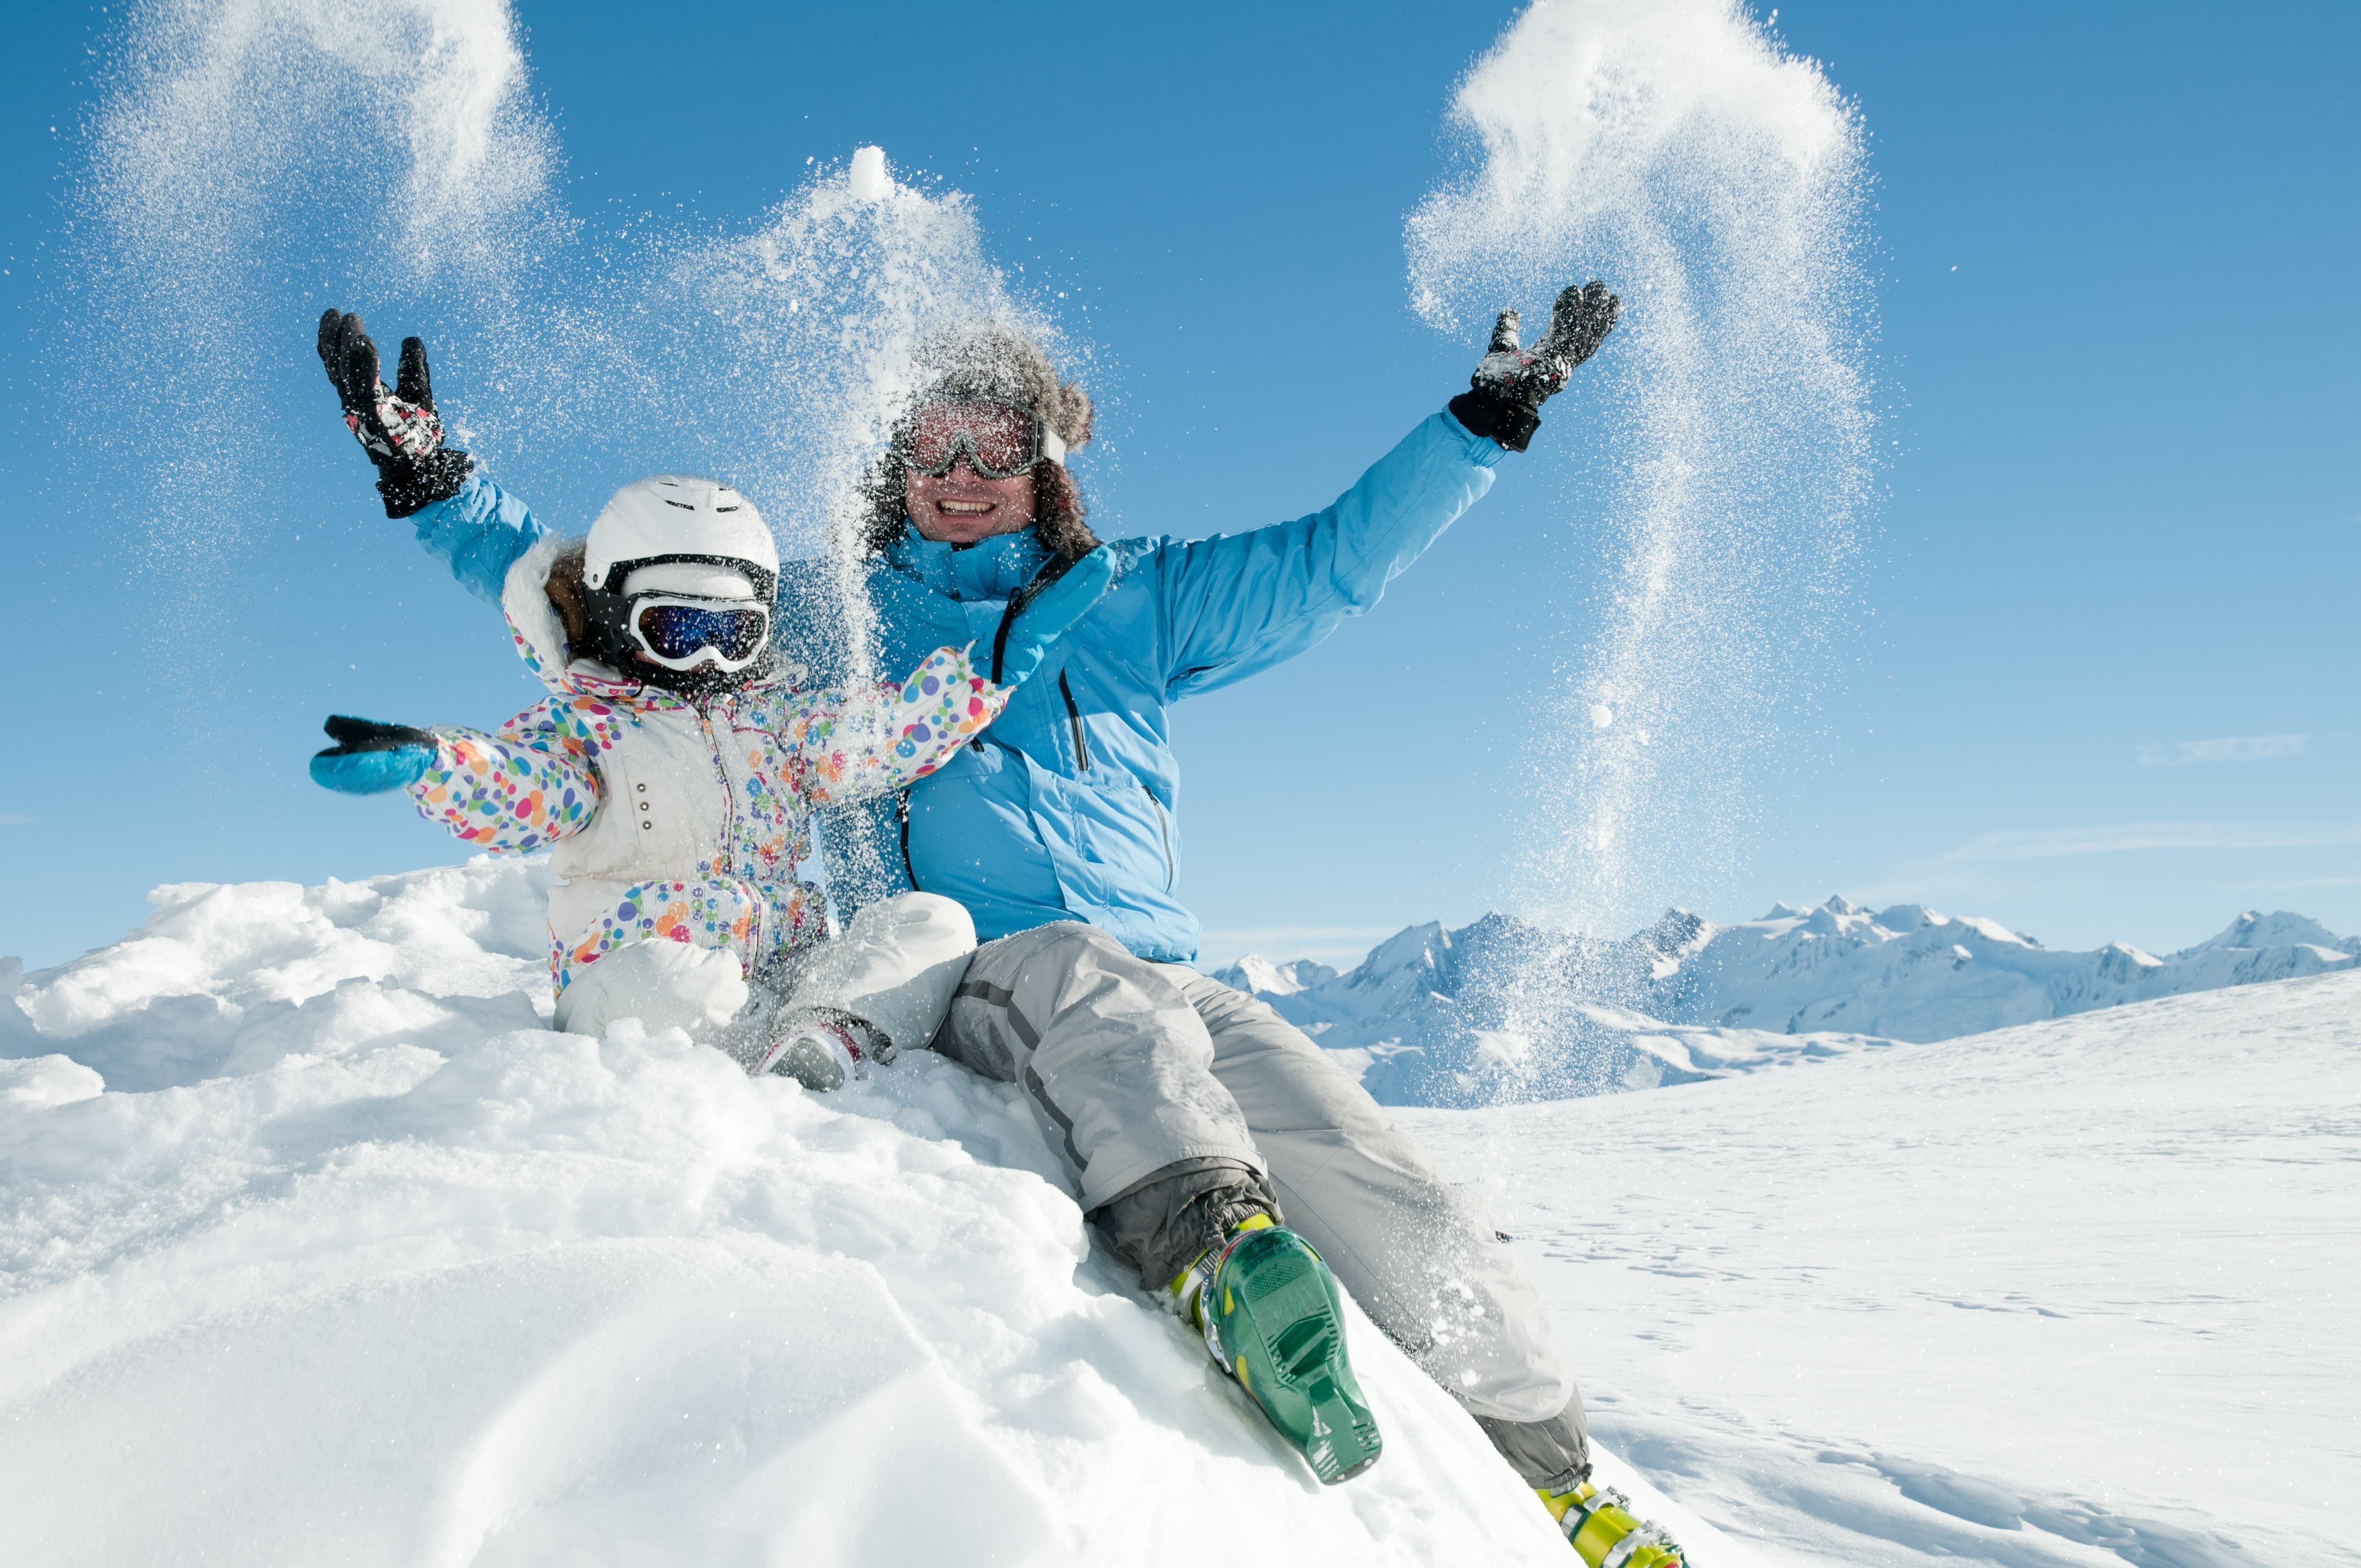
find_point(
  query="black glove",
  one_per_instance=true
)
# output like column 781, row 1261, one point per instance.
column 399, row 429
column 1505, row 396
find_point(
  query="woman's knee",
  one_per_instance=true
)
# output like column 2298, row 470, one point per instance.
column 939, row 920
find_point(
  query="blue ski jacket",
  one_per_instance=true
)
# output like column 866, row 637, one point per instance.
column 1066, row 809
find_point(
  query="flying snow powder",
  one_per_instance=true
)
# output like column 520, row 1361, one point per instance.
column 1674, row 149
column 255, row 161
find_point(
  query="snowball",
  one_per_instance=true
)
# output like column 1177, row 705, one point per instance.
column 870, row 180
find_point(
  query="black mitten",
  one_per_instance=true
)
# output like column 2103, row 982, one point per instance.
column 1505, row 396
column 399, row 429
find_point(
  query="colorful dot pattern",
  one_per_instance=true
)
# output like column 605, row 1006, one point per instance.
column 779, row 753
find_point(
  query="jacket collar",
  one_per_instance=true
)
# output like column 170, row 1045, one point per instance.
column 989, row 570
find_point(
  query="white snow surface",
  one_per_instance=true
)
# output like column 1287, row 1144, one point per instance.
column 2080, row 1292
column 316, row 1246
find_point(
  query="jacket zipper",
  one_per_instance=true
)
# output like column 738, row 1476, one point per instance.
column 729, row 791
column 1163, row 825
column 901, row 810
column 1074, row 718
column 727, row 863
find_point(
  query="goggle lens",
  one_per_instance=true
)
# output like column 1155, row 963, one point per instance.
column 683, row 632
column 1000, row 441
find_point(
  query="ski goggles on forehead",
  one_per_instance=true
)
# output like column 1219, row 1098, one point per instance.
column 681, row 633
column 999, row 441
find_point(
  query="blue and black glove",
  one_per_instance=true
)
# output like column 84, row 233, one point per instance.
column 1060, row 593
column 369, row 758
column 1504, row 397
column 399, row 429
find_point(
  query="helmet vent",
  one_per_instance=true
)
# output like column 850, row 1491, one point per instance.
column 685, row 506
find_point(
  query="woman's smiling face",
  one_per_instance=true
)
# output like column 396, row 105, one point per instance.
column 963, row 507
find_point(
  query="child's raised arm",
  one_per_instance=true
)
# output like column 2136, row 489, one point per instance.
column 522, row 789
column 846, row 746
column 839, row 746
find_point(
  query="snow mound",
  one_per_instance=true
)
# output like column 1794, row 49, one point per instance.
column 317, row 1246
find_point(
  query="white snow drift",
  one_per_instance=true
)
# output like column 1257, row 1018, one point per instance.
column 316, row 1246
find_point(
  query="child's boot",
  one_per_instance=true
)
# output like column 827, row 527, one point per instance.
column 1604, row 1531
column 819, row 1053
column 1273, row 1318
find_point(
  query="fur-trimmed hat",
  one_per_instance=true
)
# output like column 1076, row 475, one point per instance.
column 993, row 362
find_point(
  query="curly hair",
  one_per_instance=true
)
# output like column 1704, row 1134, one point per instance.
column 988, row 361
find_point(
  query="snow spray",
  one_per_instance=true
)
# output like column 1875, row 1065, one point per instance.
column 1718, row 183
column 241, row 149
column 254, row 161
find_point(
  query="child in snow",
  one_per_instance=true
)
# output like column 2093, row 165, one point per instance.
column 673, row 768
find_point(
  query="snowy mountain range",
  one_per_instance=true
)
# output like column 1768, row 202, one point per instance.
column 1504, row 1010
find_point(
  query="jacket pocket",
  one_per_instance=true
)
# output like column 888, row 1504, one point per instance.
column 1164, row 828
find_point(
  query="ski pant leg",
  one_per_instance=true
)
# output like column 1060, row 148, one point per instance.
column 1418, row 1254
column 893, row 969
column 1168, row 1093
column 1118, row 1069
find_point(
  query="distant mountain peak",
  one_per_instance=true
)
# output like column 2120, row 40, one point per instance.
column 1503, row 1007
column 1261, row 977
column 2281, row 929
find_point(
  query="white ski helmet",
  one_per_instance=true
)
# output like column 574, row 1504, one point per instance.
column 683, row 519
column 678, row 579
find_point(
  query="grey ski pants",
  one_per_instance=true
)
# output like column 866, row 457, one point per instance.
column 1181, row 1105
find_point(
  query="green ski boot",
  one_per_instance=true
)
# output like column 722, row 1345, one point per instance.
column 1273, row 1319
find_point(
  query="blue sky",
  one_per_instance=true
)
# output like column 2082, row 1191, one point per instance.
column 2102, row 689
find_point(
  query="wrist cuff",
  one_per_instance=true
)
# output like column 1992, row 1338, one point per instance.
column 1508, row 421
column 411, row 487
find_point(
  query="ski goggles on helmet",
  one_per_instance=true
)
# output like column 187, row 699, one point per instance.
column 999, row 441
column 681, row 633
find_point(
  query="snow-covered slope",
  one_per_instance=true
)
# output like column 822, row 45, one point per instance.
column 2078, row 1292
column 316, row 1246
column 1489, row 1012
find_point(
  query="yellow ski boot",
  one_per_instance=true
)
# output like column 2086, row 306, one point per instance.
column 1604, row 1531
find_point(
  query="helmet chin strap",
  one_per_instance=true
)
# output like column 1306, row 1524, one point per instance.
column 703, row 680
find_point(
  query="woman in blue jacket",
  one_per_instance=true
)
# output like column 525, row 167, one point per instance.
column 1196, row 1121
